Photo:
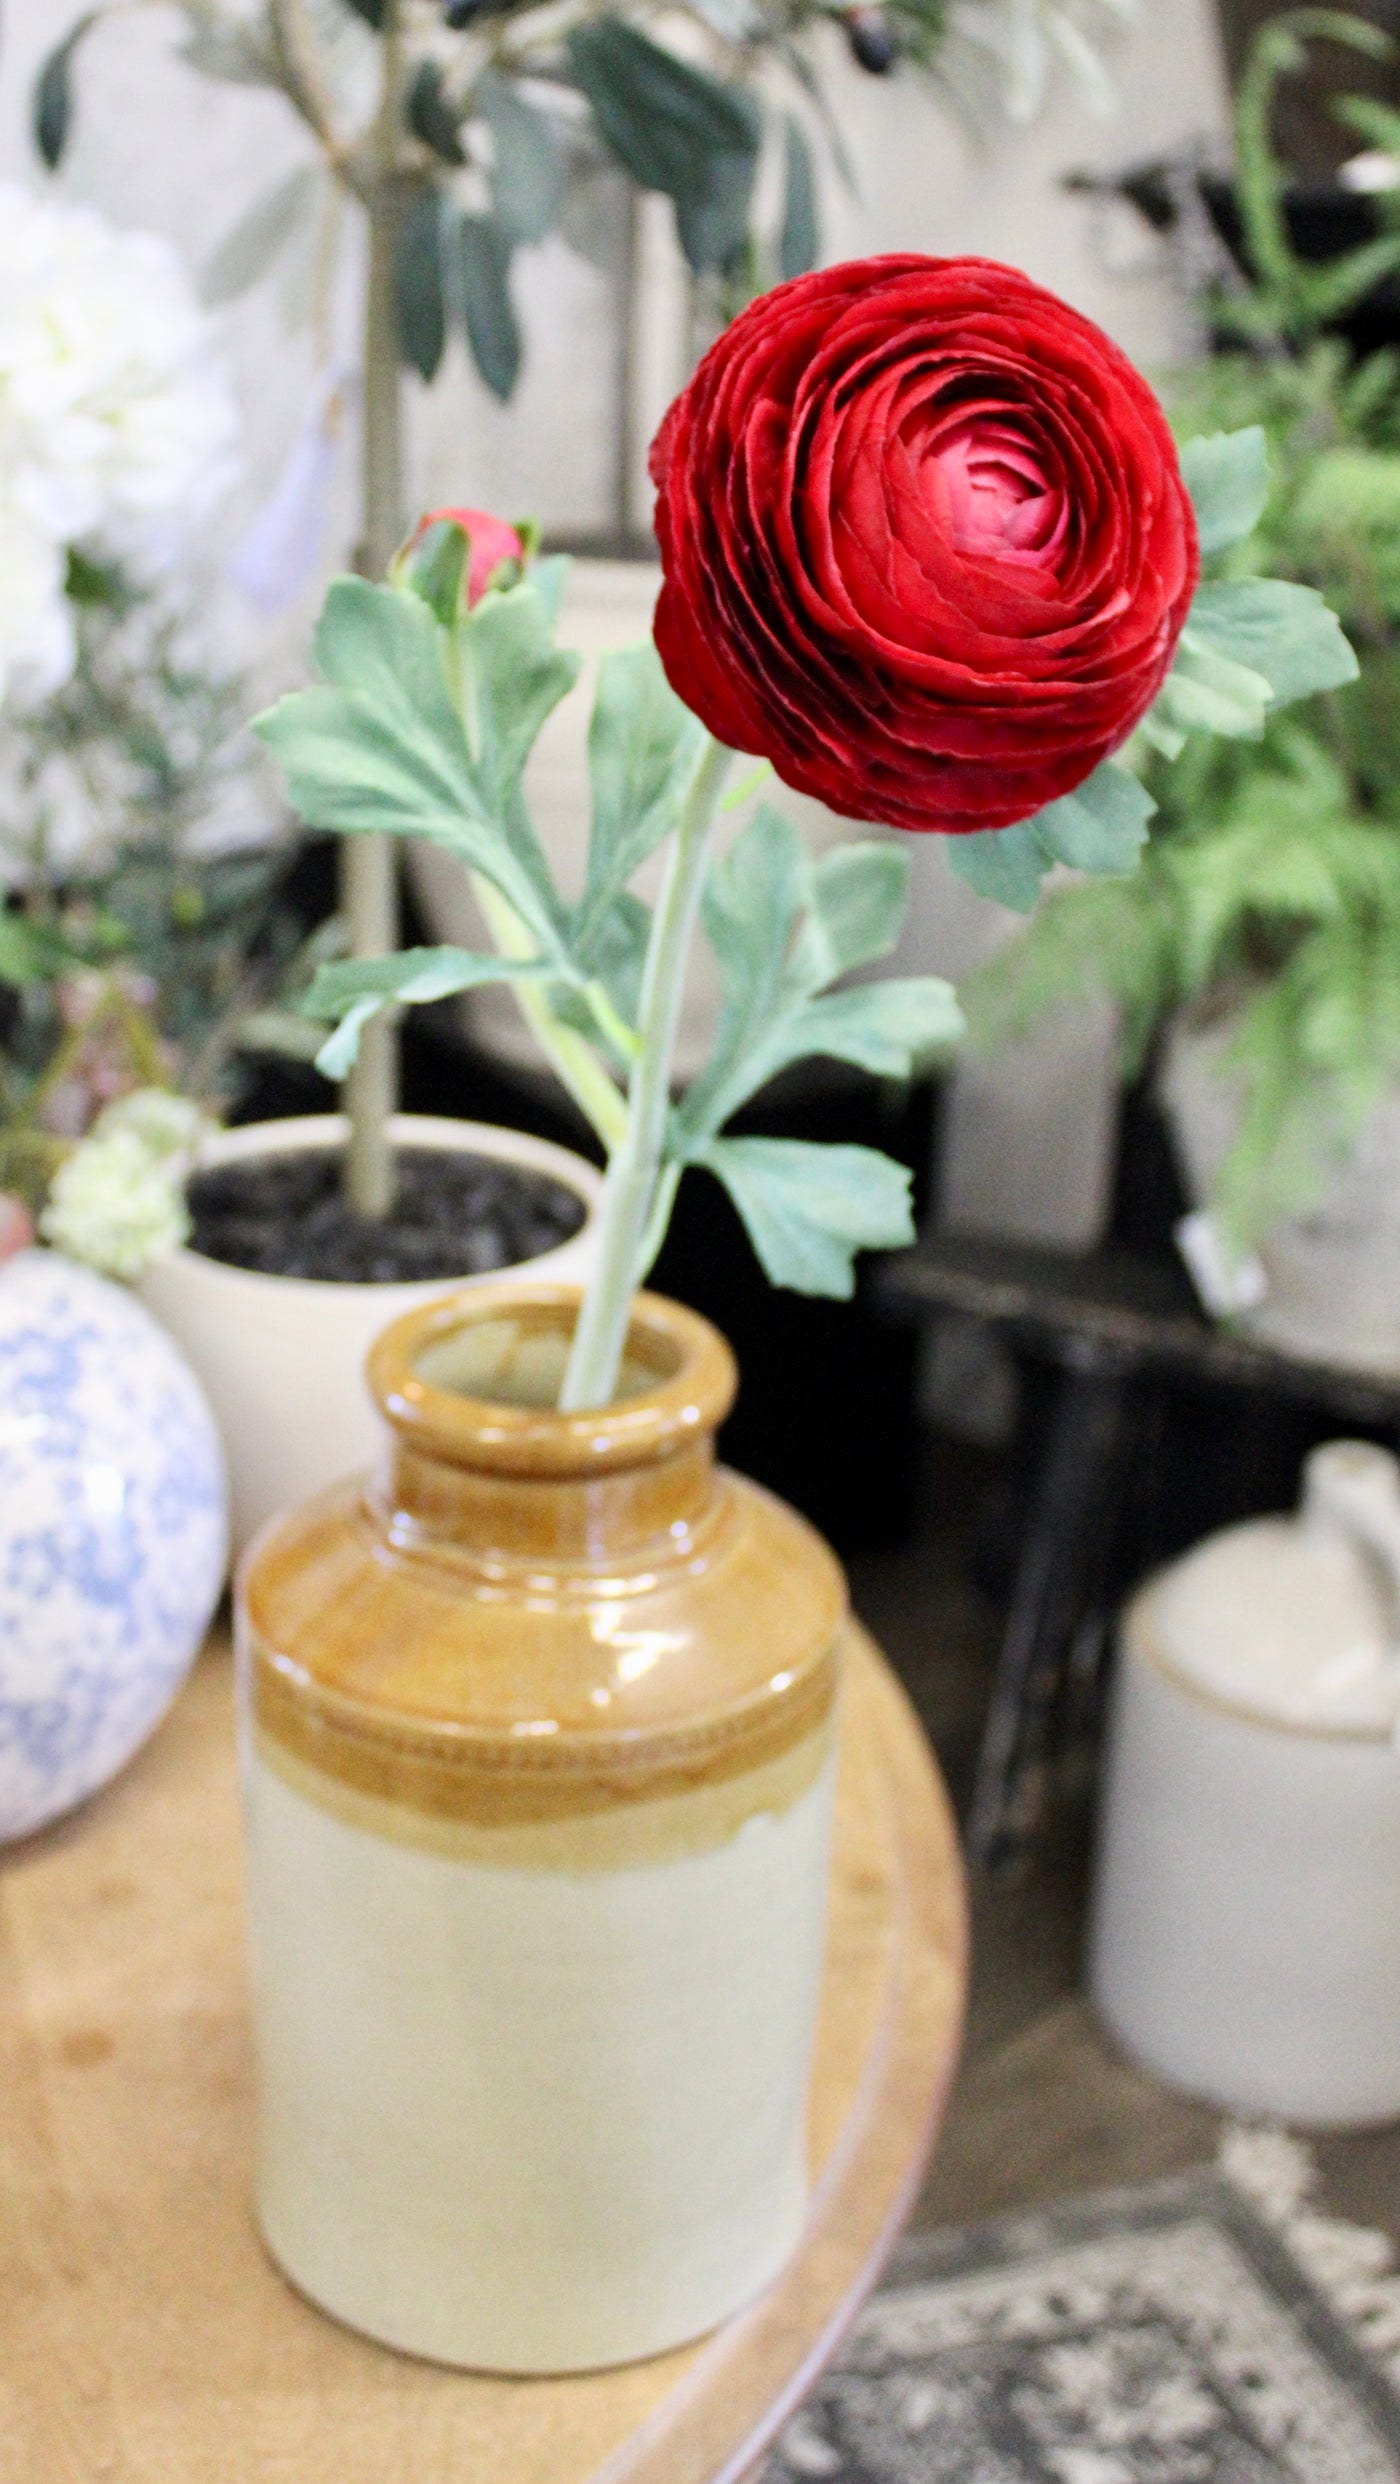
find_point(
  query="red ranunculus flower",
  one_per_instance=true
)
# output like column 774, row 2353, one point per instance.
column 926, row 542
column 491, row 541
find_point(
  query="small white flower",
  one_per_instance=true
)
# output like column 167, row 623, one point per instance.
column 118, row 1202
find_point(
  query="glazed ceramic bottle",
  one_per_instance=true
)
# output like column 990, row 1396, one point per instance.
column 539, row 1754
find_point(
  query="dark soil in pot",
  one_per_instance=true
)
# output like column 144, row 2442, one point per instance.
column 455, row 1216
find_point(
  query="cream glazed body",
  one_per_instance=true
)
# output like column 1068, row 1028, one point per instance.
column 538, row 1741
column 281, row 1359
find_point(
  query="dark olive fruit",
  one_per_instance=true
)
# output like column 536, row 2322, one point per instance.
column 872, row 39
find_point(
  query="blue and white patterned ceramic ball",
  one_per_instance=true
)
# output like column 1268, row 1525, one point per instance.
column 113, row 1532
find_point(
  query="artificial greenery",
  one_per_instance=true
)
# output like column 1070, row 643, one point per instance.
column 1269, row 896
column 422, row 725
column 131, row 954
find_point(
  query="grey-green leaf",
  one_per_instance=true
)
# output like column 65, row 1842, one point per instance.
column 889, row 1028
column 1102, row 825
column 493, row 331
column 527, row 174
column 799, row 242
column 354, row 990
column 1007, row 864
column 809, row 1209
column 519, row 677
column 643, row 747
column 857, row 898
column 257, row 240
column 1283, row 632
column 422, row 312
column 1227, row 476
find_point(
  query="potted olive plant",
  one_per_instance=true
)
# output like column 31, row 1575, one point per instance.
column 539, row 1720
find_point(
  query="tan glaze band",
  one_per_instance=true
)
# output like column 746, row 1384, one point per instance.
column 495, row 1781
column 652, row 1823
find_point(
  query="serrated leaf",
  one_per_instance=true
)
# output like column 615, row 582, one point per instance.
column 1284, row 633
column 781, row 930
column 354, row 990
column 1207, row 691
column 527, row 173
column 519, row 677
column 751, row 907
column 493, row 331
column 799, row 242
column 1101, row 826
column 380, row 750
column 889, row 1027
column 1227, row 476
column 257, row 240
column 809, row 1209
column 431, row 115
column 52, row 109
column 643, row 748
column 1005, row 864
column 422, row 311
column 857, row 898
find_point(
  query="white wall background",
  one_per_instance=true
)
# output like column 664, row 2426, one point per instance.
column 157, row 145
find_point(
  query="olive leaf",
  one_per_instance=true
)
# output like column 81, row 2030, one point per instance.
column 527, row 171
column 52, row 108
column 493, row 331
column 418, row 284
column 799, row 241
column 258, row 239
column 674, row 128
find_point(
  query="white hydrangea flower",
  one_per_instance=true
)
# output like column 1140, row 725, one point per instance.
column 118, row 1201
column 118, row 430
column 36, row 620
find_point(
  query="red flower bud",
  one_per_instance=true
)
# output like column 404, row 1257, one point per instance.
column 490, row 539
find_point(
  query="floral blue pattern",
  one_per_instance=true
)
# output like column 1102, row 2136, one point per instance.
column 113, row 1532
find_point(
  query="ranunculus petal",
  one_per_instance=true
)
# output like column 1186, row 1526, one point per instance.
column 925, row 541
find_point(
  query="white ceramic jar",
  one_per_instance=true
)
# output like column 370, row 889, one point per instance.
column 1245, row 1932
column 538, row 1761
column 282, row 1359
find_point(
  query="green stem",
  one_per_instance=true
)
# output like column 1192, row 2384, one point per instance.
column 636, row 1171
column 570, row 1055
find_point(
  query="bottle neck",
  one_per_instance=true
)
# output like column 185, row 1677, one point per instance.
column 653, row 1511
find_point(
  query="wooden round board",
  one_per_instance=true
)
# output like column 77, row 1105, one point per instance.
column 144, row 2336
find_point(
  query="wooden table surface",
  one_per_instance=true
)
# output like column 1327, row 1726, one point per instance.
column 145, row 2338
